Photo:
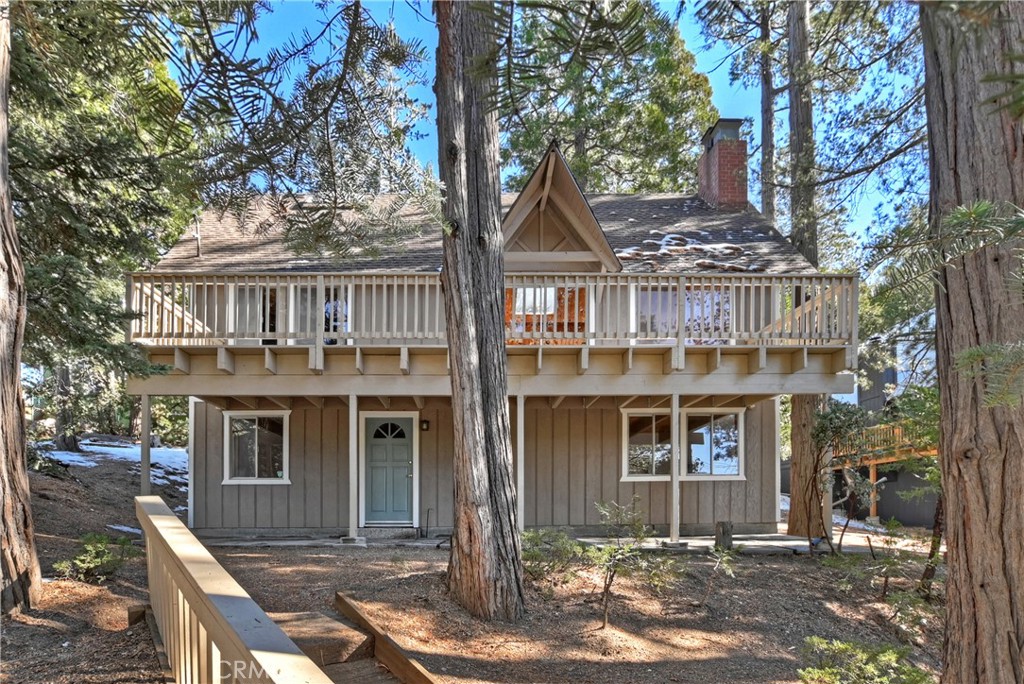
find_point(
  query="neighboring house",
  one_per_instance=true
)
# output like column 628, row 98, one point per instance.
column 321, row 390
column 891, row 456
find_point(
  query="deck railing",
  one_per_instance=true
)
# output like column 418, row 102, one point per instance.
column 881, row 441
column 211, row 629
column 565, row 308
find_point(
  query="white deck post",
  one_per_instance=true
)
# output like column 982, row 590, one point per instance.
column 145, row 439
column 521, row 461
column 673, row 530
column 353, row 466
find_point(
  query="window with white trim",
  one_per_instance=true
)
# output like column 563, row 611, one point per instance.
column 647, row 444
column 714, row 444
column 256, row 447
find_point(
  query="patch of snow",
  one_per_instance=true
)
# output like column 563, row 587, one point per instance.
column 72, row 458
column 174, row 458
column 784, row 502
column 125, row 528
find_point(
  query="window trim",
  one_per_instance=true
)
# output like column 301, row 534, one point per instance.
column 624, row 444
column 285, row 415
column 684, row 446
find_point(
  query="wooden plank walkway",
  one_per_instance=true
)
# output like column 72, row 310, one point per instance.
column 342, row 650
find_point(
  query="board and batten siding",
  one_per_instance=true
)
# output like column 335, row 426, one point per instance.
column 573, row 460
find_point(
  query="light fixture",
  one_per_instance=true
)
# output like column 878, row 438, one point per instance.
column 424, row 425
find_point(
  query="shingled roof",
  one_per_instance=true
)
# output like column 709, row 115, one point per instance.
column 650, row 233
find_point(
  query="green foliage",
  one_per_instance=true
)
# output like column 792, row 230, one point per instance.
column 170, row 420
column 39, row 461
column 99, row 181
column 843, row 662
column 549, row 554
column 97, row 561
column 626, row 123
column 623, row 553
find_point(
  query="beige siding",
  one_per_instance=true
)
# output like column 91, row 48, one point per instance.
column 573, row 460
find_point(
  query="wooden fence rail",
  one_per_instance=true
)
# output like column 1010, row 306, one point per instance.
column 212, row 630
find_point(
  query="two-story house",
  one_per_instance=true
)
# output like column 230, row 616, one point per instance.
column 647, row 337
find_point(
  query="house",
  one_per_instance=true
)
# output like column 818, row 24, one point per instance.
column 639, row 327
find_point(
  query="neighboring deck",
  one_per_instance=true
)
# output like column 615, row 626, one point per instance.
column 600, row 334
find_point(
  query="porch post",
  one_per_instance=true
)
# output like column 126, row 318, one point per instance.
column 353, row 466
column 521, row 461
column 145, row 439
column 673, row 530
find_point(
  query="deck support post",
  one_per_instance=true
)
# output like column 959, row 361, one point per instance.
column 353, row 466
column 673, row 532
column 145, row 440
column 873, row 475
column 521, row 461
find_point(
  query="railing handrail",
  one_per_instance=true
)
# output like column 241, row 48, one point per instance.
column 560, row 274
column 232, row 621
column 883, row 437
column 545, row 307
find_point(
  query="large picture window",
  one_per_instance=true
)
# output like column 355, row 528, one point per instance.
column 647, row 448
column 256, row 447
column 714, row 444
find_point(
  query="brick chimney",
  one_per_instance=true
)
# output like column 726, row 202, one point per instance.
column 722, row 169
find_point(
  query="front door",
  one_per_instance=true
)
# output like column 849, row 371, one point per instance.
column 389, row 470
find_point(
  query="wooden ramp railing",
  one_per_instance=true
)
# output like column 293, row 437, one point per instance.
column 211, row 628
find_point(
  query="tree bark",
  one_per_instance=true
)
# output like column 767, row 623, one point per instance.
column 804, row 519
column 64, row 437
column 485, row 568
column 976, row 152
column 767, row 116
column 21, row 576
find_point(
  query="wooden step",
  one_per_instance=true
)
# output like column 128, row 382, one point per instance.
column 366, row 671
column 324, row 639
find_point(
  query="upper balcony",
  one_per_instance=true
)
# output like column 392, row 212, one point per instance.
column 679, row 313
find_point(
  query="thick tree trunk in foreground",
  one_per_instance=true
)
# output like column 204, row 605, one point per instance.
column 21, row 577
column 485, row 569
column 977, row 153
column 804, row 472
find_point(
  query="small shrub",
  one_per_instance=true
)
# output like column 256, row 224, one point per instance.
column 550, row 554
column 41, row 462
column 844, row 662
column 97, row 561
column 623, row 554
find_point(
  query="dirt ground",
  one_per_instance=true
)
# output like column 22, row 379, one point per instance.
column 80, row 632
column 704, row 627
column 749, row 628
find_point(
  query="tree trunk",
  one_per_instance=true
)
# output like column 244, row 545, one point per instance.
column 924, row 587
column 804, row 475
column 135, row 417
column 976, row 152
column 767, row 116
column 64, row 437
column 21, row 577
column 485, row 569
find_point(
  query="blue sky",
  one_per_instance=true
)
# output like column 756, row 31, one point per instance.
column 290, row 16
column 415, row 21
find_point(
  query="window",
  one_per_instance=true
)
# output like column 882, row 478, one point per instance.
column 647, row 449
column 658, row 313
column 714, row 444
column 256, row 447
